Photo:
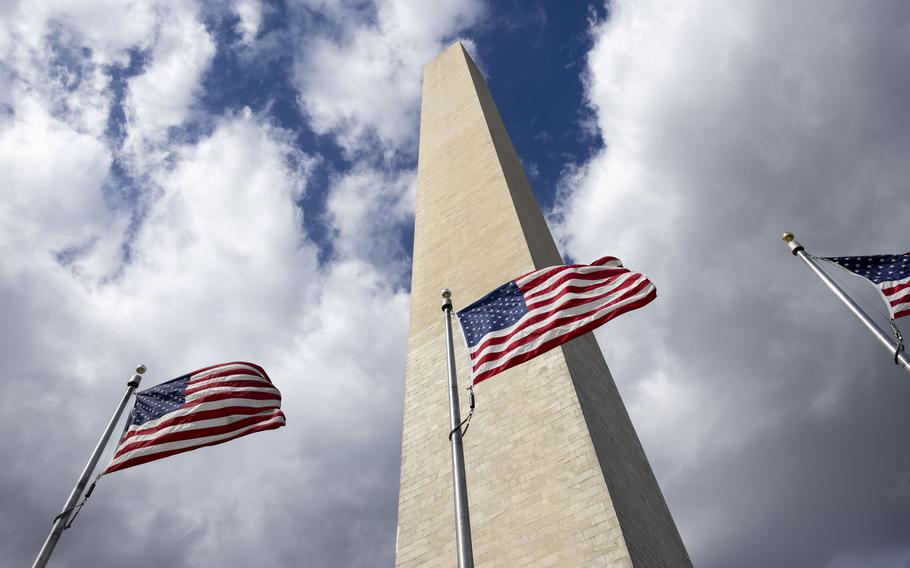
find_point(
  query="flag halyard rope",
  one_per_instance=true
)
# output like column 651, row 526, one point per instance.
column 467, row 421
column 77, row 508
column 900, row 341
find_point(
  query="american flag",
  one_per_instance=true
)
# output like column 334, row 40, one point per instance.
column 889, row 272
column 203, row 408
column 546, row 308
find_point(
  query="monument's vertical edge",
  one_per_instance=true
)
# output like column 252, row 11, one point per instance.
column 556, row 475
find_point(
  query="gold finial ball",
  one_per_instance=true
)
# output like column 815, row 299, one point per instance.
column 140, row 369
column 446, row 293
column 788, row 236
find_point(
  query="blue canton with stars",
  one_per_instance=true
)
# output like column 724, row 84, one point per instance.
column 159, row 400
column 877, row 268
column 497, row 310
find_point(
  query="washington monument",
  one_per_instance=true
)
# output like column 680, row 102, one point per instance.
column 556, row 474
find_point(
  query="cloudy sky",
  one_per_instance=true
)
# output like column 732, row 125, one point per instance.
column 186, row 183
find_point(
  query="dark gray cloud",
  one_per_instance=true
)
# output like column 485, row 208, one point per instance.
column 772, row 419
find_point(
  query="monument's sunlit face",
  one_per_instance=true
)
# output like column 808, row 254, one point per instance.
column 536, row 487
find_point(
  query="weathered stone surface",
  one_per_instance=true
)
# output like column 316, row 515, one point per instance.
column 556, row 474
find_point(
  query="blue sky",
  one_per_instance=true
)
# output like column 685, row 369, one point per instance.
column 192, row 182
column 553, row 126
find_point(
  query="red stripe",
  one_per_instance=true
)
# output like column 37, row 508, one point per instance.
column 224, row 373
column 544, row 273
column 559, row 322
column 894, row 289
column 600, row 274
column 214, row 397
column 147, row 458
column 557, row 341
column 902, row 313
column 577, row 290
column 196, row 417
column 564, row 306
column 253, row 365
column 220, row 384
column 605, row 259
column 548, row 271
column 195, row 433
column 226, row 395
column 542, row 316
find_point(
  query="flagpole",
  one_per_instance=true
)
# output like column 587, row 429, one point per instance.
column 64, row 516
column 462, row 518
column 800, row 251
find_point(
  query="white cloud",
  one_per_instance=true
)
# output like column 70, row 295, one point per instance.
column 56, row 53
column 206, row 261
column 51, row 177
column 164, row 94
column 368, row 209
column 224, row 246
column 107, row 27
column 361, row 80
column 57, row 99
column 223, row 238
column 219, row 269
column 59, row 54
column 725, row 124
column 250, row 14
column 700, row 122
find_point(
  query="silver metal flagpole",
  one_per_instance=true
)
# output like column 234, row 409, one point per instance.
column 462, row 518
column 64, row 516
column 800, row 251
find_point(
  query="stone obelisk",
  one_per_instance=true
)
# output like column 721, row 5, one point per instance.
column 556, row 474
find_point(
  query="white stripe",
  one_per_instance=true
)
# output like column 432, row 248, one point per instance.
column 212, row 405
column 578, row 310
column 559, row 331
column 544, row 309
column 892, row 283
column 559, row 274
column 612, row 294
column 193, row 385
column 184, row 444
column 903, row 296
column 221, row 368
column 573, row 282
column 905, row 303
column 183, row 426
column 900, row 294
column 236, row 390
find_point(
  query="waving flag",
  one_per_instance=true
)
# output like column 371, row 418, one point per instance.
column 203, row 408
column 546, row 308
column 889, row 272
